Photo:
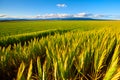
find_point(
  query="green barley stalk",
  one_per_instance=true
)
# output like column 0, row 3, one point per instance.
column 39, row 68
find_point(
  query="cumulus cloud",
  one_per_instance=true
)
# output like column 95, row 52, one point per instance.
column 61, row 5
column 62, row 15
column 99, row 15
column 82, row 15
column 10, row 16
column 3, row 15
column 88, row 15
column 53, row 16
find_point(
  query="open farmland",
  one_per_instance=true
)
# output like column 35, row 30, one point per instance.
column 60, row 50
column 19, row 27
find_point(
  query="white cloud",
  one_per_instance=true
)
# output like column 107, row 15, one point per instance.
column 3, row 15
column 45, row 16
column 53, row 16
column 82, row 15
column 99, row 16
column 63, row 15
column 61, row 5
column 87, row 15
column 19, row 17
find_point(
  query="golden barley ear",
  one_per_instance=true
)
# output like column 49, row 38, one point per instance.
column 20, row 71
column 29, row 71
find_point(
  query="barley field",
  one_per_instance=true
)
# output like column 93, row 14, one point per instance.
column 60, row 50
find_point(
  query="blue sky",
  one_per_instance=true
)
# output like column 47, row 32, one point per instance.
column 60, row 8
